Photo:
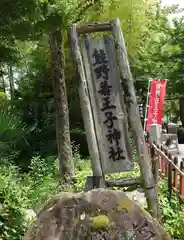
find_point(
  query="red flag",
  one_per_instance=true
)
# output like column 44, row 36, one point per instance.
column 156, row 101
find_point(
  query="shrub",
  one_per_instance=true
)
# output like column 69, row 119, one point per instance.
column 19, row 192
column 78, row 136
column 171, row 212
column 13, row 199
column 42, row 179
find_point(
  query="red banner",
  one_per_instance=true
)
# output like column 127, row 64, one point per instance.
column 156, row 101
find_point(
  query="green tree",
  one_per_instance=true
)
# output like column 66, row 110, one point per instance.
column 146, row 32
column 14, row 24
column 54, row 20
column 57, row 15
column 175, row 55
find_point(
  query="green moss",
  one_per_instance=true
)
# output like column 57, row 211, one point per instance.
column 125, row 204
column 100, row 221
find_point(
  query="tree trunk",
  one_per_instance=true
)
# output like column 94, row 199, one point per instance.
column 11, row 81
column 3, row 85
column 181, row 102
column 62, row 116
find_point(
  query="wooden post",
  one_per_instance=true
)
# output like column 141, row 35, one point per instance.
column 169, row 179
column 175, row 175
column 147, row 102
column 155, row 169
column 166, row 163
column 162, row 163
column 86, row 107
column 134, row 118
column 127, row 182
column 159, row 162
column 182, row 182
column 155, row 163
column 93, row 27
column 147, row 140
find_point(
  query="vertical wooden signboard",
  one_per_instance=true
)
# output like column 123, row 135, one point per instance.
column 110, row 118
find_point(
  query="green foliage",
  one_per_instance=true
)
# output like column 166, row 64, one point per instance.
column 173, row 217
column 13, row 131
column 83, row 170
column 21, row 191
column 145, row 30
column 42, row 179
column 14, row 24
column 14, row 201
column 3, row 96
column 172, row 110
column 175, row 57
column 154, row 49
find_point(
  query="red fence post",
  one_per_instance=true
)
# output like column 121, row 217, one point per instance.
column 182, row 182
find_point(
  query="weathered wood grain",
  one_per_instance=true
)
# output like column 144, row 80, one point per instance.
column 85, row 105
column 94, row 107
column 94, row 85
column 134, row 118
column 126, row 182
column 93, row 27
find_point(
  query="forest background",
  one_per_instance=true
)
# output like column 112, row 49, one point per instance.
column 35, row 138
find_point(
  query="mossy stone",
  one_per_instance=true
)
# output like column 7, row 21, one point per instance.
column 100, row 221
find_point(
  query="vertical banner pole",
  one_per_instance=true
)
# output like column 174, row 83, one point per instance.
column 147, row 102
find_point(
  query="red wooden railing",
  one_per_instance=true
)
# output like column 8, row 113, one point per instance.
column 167, row 167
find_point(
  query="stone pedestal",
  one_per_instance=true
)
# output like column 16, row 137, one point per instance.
column 155, row 133
column 171, row 142
column 172, row 128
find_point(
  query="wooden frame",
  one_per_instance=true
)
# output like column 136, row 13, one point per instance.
column 129, row 97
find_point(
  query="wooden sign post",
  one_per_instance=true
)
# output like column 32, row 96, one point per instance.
column 107, row 94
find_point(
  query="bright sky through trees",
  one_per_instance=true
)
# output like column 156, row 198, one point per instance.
column 171, row 2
